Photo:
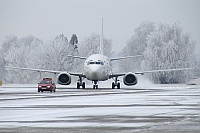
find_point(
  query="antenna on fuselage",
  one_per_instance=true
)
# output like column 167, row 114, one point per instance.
column 101, row 41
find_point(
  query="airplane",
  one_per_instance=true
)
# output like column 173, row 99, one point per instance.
column 97, row 67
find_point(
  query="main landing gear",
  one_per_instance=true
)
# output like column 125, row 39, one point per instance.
column 80, row 83
column 115, row 83
column 95, row 86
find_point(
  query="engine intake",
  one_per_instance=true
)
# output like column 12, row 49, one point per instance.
column 130, row 79
column 64, row 78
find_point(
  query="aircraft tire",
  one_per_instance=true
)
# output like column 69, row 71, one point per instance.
column 113, row 85
column 95, row 86
column 83, row 86
column 118, row 85
column 78, row 85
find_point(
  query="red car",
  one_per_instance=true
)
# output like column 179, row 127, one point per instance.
column 47, row 84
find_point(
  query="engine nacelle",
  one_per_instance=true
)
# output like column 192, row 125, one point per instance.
column 130, row 79
column 64, row 78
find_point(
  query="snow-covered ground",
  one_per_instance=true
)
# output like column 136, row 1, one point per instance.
column 138, row 108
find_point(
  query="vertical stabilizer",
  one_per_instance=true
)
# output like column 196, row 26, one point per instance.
column 101, row 41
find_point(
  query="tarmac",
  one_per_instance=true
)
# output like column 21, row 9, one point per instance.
column 154, row 109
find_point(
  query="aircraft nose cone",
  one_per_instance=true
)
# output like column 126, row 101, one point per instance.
column 94, row 69
column 94, row 73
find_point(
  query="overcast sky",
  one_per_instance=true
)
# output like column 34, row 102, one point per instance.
column 47, row 18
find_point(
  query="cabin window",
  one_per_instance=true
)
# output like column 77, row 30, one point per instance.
column 98, row 62
column 91, row 62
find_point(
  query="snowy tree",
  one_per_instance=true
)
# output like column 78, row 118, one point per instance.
column 167, row 48
column 10, row 41
column 18, row 53
column 1, row 65
column 75, row 62
column 55, row 54
column 31, row 52
column 74, row 41
column 136, row 46
column 164, row 47
column 91, row 45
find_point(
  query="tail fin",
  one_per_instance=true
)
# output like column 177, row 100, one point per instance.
column 101, row 41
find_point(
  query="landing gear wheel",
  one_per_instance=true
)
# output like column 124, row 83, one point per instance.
column 78, row 85
column 118, row 85
column 113, row 85
column 83, row 85
column 95, row 86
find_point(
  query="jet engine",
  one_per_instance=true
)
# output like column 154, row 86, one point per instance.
column 64, row 78
column 130, row 79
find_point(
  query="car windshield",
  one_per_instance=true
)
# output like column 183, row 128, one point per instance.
column 45, row 82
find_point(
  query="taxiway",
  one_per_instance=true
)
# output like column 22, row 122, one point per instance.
column 159, row 108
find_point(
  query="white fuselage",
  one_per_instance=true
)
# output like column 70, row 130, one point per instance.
column 97, row 67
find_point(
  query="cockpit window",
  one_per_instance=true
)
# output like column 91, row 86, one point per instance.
column 98, row 62
column 95, row 62
column 91, row 62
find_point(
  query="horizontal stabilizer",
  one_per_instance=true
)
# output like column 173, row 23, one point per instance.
column 79, row 57
column 121, row 58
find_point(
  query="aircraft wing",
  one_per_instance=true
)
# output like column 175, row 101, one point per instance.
column 116, row 75
column 164, row 70
column 43, row 70
column 31, row 69
column 77, row 74
column 120, row 58
column 151, row 71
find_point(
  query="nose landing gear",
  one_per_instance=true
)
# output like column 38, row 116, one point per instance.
column 95, row 86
